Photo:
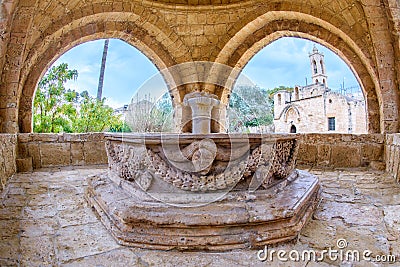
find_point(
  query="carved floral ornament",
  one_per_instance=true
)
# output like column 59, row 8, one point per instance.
column 203, row 165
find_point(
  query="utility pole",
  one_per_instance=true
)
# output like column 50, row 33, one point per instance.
column 102, row 70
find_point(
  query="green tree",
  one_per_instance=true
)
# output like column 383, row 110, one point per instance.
column 53, row 104
column 119, row 126
column 249, row 106
column 149, row 115
column 57, row 109
column 93, row 115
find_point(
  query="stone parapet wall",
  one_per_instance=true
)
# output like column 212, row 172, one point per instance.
column 8, row 144
column 342, row 150
column 50, row 150
column 392, row 155
column 325, row 150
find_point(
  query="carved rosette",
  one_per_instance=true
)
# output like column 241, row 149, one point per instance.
column 213, row 168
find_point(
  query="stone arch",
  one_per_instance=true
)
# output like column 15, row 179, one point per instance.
column 315, row 67
column 291, row 112
column 45, row 51
column 322, row 67
column 7, row 9
column 276, row 24
column 294, row 109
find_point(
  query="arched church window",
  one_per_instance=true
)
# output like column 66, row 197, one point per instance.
column 322, row 66
column 315, row 67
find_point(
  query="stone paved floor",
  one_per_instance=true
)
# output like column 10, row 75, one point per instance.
column 45, row 221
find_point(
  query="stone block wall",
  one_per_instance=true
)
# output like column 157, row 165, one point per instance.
column 392, row 155
column 50, row 150
column 324, row 150
column 8, row 144
column 342, row 150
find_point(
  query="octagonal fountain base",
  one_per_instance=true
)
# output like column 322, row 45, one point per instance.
column 270, row 202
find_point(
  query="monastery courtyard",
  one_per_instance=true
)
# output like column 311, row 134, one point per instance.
column 350, row 217
column 46, row 221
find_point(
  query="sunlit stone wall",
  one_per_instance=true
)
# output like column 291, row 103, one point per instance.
column 329, row 150
column 324, row 150
column 342, row 150
column 48, row 150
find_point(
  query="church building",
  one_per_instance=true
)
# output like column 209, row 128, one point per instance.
column 316, row 108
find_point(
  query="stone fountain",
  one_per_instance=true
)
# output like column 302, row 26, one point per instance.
column 202, row 190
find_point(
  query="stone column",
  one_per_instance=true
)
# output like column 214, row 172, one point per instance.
column 218, row 119
column 201, row 104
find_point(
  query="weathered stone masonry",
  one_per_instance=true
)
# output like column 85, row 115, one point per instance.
column 54, row 150
column 342, row 150
column 392, row 151
column 35, row 151
column 8, row 143
column 34, row 33
column 324, row 150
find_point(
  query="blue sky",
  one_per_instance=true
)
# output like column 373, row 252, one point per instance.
column 283, row 62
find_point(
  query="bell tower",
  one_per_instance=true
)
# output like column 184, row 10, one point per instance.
column 318, row 67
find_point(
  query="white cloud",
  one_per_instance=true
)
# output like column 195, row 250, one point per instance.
column 114, row 103
column 86, row 69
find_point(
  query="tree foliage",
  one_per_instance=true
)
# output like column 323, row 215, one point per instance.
column 149, row 115
column 57, row 109
column 249, row 106
column 53, row 104
column 92, row 115
column 119, row 126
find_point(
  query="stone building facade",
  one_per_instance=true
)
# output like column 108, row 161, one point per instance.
column 316, row 108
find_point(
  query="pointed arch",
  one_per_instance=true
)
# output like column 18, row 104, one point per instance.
column 269, row 27
column 322, row 66
column 315, row 68
column 124, row 27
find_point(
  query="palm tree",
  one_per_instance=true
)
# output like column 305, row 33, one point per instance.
column 102, row 70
